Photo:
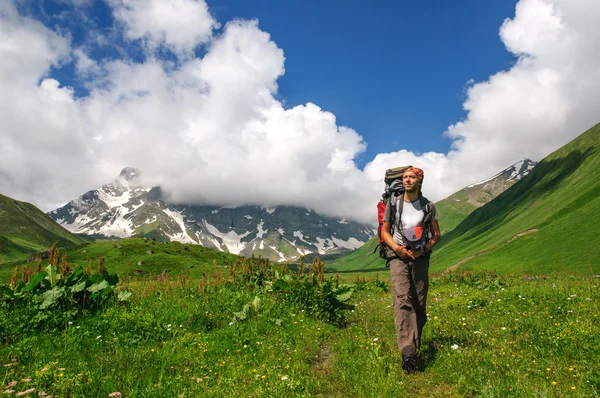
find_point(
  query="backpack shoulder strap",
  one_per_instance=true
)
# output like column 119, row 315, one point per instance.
column 426, row 206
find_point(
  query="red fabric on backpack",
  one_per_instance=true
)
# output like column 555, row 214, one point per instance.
column 380, row 210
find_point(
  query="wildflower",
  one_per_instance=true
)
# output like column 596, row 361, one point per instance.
column 570, row 369
column 115, row 394
column 98, row 337
column 454, row 346
column 376, row 339
column 553, row 383
column 284, row 378
column 573, row 387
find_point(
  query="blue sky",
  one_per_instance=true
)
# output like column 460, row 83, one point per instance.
column 292, row 102
column 394, row 66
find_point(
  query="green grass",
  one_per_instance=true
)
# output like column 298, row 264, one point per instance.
column 559, row 199
column 451, row 213
column 486, row 336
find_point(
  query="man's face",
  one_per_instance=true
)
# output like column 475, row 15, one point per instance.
column 410, row 181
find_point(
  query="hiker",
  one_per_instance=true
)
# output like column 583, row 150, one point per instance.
column 410, row 239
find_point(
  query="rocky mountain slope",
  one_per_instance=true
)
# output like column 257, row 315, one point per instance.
column 459, row 205
column 124, row 208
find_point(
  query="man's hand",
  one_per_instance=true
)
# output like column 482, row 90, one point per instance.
column 403, row 253
column 416, row 253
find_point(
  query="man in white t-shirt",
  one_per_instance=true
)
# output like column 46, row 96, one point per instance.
column 410, row 236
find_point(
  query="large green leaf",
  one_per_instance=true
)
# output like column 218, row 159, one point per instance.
column 77, row 275
column 52, row 274
column 98, row 287
column 34, row 282
column 78, row 287
column 344, row 296
column 50, row 297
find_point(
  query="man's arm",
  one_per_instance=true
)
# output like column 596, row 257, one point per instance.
column 436, row 235
column 387, row 238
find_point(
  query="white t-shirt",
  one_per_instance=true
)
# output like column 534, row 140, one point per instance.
column 411, row 227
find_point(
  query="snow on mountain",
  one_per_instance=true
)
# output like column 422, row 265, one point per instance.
column 124, row 208
column 512, row 173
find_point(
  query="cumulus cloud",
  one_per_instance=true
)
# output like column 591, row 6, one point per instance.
column 178, row 24
column 210, row 129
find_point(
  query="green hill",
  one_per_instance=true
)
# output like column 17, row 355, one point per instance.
column 25, row 229
column 361, row 259
column 543, row 223
column 452, row 213
column 139, row 257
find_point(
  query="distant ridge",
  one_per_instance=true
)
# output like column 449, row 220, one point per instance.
column 459, row 205
column 25, row 229
column 124, row 208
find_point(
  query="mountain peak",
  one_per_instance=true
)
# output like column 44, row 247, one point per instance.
column 129, row 173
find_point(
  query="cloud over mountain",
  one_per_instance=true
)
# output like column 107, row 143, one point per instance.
column 205, row 122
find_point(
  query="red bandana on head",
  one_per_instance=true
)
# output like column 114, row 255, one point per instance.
column 417, row 171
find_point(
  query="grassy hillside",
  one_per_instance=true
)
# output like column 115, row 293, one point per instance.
column 544, row 223
column 140, row 257
column 452, row 211
column 25, row 229
column 362, row 258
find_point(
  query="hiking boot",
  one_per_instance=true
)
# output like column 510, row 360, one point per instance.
column 409, row 364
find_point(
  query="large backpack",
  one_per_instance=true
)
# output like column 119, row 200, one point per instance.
column 394, row 190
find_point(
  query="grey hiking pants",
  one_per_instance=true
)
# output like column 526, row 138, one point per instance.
column 410, row 283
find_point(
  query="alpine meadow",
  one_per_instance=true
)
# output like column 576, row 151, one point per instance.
column 230, row 198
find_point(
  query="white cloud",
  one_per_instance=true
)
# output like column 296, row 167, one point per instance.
column 178, row 24
column 211, row 130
